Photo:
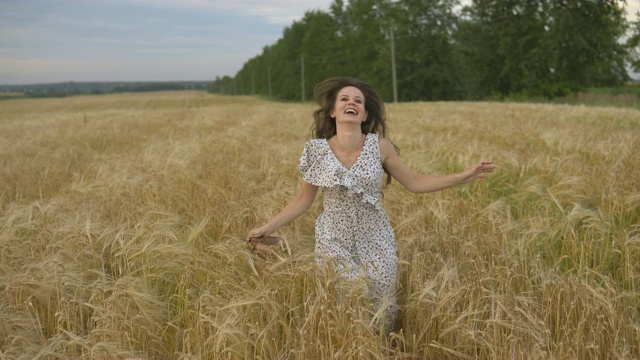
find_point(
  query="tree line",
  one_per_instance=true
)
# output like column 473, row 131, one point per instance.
column 442, row 51
column 63, row 89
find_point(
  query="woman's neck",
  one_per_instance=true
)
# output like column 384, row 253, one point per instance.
column 349, row 138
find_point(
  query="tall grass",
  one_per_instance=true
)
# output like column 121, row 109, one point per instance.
column 122, row 219
column 596, row 98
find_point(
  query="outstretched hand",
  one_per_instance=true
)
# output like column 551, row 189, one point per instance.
column 257, row 233
column 476, row 171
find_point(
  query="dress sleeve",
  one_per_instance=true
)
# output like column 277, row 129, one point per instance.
column 306, row 159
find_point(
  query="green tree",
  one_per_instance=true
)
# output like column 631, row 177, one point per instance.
column 320, row 47
column 222, row 85
column 363, row 42
column 633, row 44
column 499, row 44
column 583, row 43
column 546, row 47
column 492, row 48
column 426, row 62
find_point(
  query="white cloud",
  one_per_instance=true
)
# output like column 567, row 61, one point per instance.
column 633, row 7
column 282, row 12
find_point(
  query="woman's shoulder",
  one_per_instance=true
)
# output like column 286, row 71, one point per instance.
column 384, row 142
column 386, row 148
column 315, row 143
column 314, row 150
column 315, row 146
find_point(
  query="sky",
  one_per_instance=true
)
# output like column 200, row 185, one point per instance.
column 45, row 41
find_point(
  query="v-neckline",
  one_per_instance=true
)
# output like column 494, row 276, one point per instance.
column 364, row 145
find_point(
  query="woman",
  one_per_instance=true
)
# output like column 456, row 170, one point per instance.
column 348, row 159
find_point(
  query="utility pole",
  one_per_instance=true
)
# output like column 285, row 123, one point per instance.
column 302, row 74
column 393, row 68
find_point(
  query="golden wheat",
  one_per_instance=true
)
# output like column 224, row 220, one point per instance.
column 122, row 219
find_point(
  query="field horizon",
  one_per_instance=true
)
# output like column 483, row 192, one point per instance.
column 122, row 219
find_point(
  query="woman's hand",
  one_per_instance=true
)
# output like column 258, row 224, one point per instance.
column 477, row 171
column 294, row 208
column 258, row 232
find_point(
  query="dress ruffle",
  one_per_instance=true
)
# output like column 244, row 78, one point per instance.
column 326, row 171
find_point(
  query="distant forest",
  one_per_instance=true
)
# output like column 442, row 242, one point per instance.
column 77, row 88
column 442, row 51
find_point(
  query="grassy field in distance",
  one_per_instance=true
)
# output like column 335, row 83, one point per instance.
column 122, row 218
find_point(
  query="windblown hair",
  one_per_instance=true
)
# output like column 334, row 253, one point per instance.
column 326, row 93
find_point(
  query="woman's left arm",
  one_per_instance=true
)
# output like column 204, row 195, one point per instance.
column 427, row 183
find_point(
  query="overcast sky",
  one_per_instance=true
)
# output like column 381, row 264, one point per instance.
column 45, row 41
column 138, row 40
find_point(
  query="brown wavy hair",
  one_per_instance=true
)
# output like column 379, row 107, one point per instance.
column 326, row 93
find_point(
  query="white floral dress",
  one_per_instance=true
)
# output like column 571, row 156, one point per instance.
column 354, row 228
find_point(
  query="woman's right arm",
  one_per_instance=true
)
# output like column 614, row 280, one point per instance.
column 296, row 207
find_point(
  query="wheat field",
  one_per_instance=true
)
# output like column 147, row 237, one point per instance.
column 122, row 219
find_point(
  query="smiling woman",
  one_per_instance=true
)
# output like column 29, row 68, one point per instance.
column 119, row 234
column 347, row 160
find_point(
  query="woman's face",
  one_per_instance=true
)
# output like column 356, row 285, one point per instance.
column 349, row 105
